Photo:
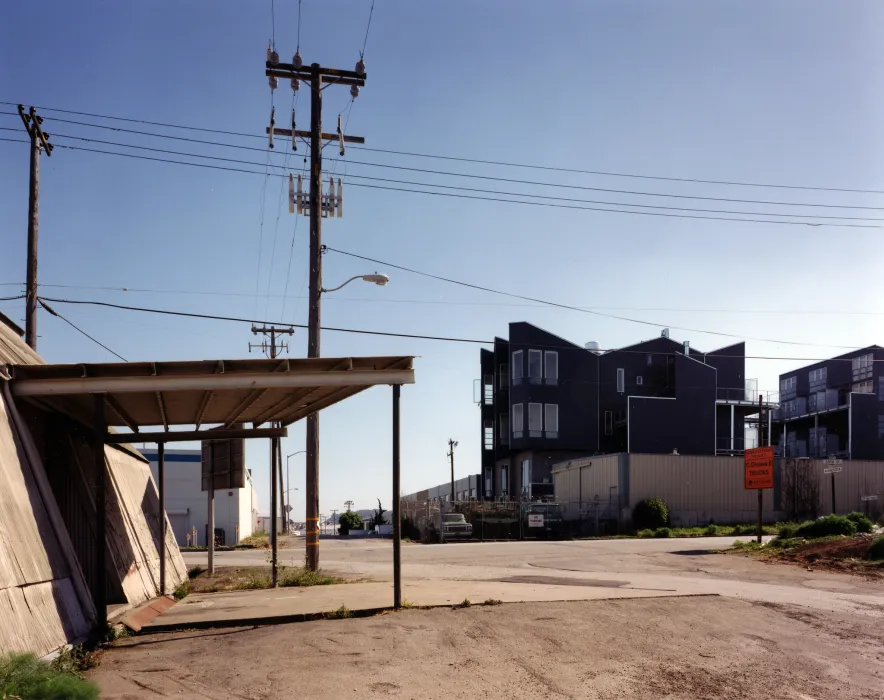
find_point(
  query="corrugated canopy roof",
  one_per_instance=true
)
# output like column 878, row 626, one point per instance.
column 218, row 392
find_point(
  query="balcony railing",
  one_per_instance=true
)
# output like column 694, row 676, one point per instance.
column 724, row 445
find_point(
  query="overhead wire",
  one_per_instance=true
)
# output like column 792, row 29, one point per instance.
column 478, row 161
column 368, row 26
column 570, row 346
column 78, row 329
column 444, row 302
column 536, row 183
column 570, row 307
column 836, row 223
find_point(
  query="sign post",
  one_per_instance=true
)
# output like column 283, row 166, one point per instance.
column 759, row 475
column 832, row 469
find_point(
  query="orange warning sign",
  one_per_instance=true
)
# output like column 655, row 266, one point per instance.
column 759, row 464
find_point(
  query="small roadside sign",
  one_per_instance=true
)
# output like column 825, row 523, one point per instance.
column 759, row 464
column 833, row 462
column 832, row 470
column 535, row 520
column 868, row 498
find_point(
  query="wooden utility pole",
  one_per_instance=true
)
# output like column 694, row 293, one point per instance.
column 39, row 141
column 319, row 206
column 276, row 482
column 451, row 445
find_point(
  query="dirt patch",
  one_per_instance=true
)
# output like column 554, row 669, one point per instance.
column 842, row 554
column 677, row 648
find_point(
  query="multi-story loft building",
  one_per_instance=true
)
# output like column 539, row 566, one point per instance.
column 834, row 408
column 544, row 399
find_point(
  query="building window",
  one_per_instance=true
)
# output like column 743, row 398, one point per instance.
column 650, row 360
column 551, row 420
column 518, row 369
column 535, row 366
column 609, row 422
column 621, row 380
column 639, row 380
column 505, row 428
column 866, row 387
column 535, row 420
column 551, row 360
column 518, row 420
column 788, row 384
column 881, row 426
column 526, row 477
column 488, row 392
column 473, row 494
column 488, row 434
column 503, row 374
column 817, row 377
column 504, row 480
column 863, row 367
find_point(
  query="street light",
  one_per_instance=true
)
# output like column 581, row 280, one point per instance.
column 378, row 279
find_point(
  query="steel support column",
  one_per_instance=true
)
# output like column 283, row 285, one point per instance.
column 161, row 473
column 99, row 592
column 397, row 520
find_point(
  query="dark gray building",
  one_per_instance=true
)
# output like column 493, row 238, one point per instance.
column 544, row 400
column 834, row 408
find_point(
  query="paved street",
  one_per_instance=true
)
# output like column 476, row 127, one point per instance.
column 676, row 566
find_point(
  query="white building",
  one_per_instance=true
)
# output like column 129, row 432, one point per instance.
column 236, row 510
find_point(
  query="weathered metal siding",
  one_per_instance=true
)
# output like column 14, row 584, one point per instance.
column 857, row 478
column 697, row 489
column 587, row 484
column 39, row 608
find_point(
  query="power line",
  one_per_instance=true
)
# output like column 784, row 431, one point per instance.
column 577, row 308
column 365, row 42
column 488, row 199
column 468, row 189
column 478, row 161
column 78, row 329
column 470, row 175
column 443, row 302
column 569, row 346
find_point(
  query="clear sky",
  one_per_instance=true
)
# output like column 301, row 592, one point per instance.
column 775, row 92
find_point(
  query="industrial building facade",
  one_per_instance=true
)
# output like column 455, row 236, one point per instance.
column 236, row 510
column 544, row 399
column 834, row 408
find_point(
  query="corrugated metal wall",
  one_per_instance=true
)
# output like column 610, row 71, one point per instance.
column 697, row 489
column 701, row 489
column 588, row 484
column 39, row 608
column 857, row 478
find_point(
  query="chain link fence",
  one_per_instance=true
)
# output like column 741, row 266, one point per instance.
column 490, row 520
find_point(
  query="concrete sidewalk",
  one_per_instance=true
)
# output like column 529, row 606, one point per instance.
column 258, row 607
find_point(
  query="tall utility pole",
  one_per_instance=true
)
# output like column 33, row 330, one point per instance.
column 39, row 141
column 316, row 75
column 334, row 520
column 349, row 505
column 451, row 445
column 276, row 482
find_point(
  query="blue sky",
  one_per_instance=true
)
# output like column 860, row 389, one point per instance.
column 779, row 92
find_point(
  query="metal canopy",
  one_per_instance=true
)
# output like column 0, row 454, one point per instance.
column 218, row 392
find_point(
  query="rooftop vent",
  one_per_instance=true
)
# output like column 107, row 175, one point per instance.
column 664, row 333
column 592, row 346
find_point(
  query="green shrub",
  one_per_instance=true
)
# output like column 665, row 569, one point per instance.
column 876, row 551
column 195, row 571
column 25, row 676
column 787, row 531
column 662, row 532
column 645, row 533
column 650, row 514
column 745, row 530
column 711, row 530
column 785, row 542
column 826, row 526
column 301, row 576
column 182, row 590
column 349, row 521
column 863, row 524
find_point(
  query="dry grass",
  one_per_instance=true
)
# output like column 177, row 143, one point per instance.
column 236, row 578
